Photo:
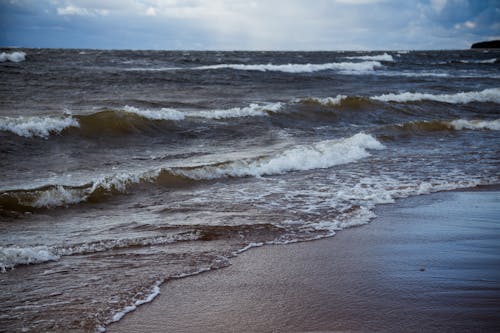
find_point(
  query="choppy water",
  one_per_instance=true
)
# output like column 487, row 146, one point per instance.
column 120, row 170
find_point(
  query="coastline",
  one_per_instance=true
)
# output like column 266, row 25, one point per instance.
column 421, row 265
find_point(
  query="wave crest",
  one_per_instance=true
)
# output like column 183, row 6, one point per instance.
column 36, row 126
column 349, row 67
column 379, row 57
column 13, row 56
column 487, row 95
column 14, row 256
column 320, row 155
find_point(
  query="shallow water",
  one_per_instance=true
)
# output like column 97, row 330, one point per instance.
column 123, row 169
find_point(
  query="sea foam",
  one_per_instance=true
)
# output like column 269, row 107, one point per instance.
column 379, row 57
column 487, row 95
column 351, row 67
column 337, row 100
column 162, row 114
column 36, row 125
column 14, row 56
column 252, row 110
column 460, row 124
column 320, row 155
column 13, row 256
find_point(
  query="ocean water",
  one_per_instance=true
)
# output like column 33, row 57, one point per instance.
column 122, row 170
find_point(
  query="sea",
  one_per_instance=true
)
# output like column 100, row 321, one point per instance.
column 122, row 170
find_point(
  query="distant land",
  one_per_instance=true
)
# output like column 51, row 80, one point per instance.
column 493, row 44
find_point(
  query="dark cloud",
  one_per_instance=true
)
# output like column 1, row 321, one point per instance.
column 242, row 24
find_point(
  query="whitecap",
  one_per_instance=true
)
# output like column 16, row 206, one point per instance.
column 252, row 110
column 162, row 114
column 36, row 125
column 379, row 57
column 487, row 95
column 12, row 256
column 346, row 67
column 460, row 124
column 337, row 100
column 13, row 56
column 320, row 155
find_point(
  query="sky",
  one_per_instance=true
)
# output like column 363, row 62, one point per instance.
column 249, row 24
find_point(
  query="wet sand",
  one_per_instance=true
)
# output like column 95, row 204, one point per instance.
column 426, row 264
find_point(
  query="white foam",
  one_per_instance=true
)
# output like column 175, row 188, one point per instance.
column 379, row 57
column 155, row 291
column 460, row 124
column 13, row 56
column 349, row 67
column 323, row 154
column 248, row 247
column 13, row 256
column 58, row 196
column 36, row 125
column 162, row 114
column 110, row 244
column 252, row 110
column 326, row 100
column 484, row 61
column 487, row 95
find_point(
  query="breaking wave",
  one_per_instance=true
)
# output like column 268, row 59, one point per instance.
column 323, row 154
column 128, row 120
column 320, row 155
column 460, row 124
column 379, row 57
column 487, row 95
column 162, row 114
column 13, row 57
column 428, row 126
column 327, row 101
column 36, row 126
column 14, row 256
column 346, row 67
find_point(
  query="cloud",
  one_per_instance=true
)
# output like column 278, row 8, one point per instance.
column 438, row 5
column 151, row 11
column 78, row 11
column 250, row 24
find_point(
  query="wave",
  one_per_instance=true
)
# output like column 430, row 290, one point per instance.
column 320, row 155
column 252, row 110
column 162, row 114
column 379, row 57
column 323, row 154
column 428, row 126
column 460, row 124
column 36, row 125
column 487, row 95
column 478, row 61
column 128, row 120
column 13, row 56
column 345, row 67
column 14, row 256
column 327, row 101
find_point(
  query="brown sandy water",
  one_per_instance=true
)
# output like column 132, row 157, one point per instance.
column 426, row 264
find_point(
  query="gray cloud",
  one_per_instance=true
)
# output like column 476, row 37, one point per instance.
column 243, row 24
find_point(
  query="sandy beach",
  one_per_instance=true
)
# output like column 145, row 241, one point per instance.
column 425, row 264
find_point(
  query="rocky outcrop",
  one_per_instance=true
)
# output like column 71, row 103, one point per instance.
column 493, row 44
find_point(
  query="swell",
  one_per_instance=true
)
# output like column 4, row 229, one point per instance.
column 429, row 127
column 361, row 67
column 133, row 121
column 323, row 154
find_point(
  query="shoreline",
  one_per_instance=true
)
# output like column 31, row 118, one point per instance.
column 401, row 272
